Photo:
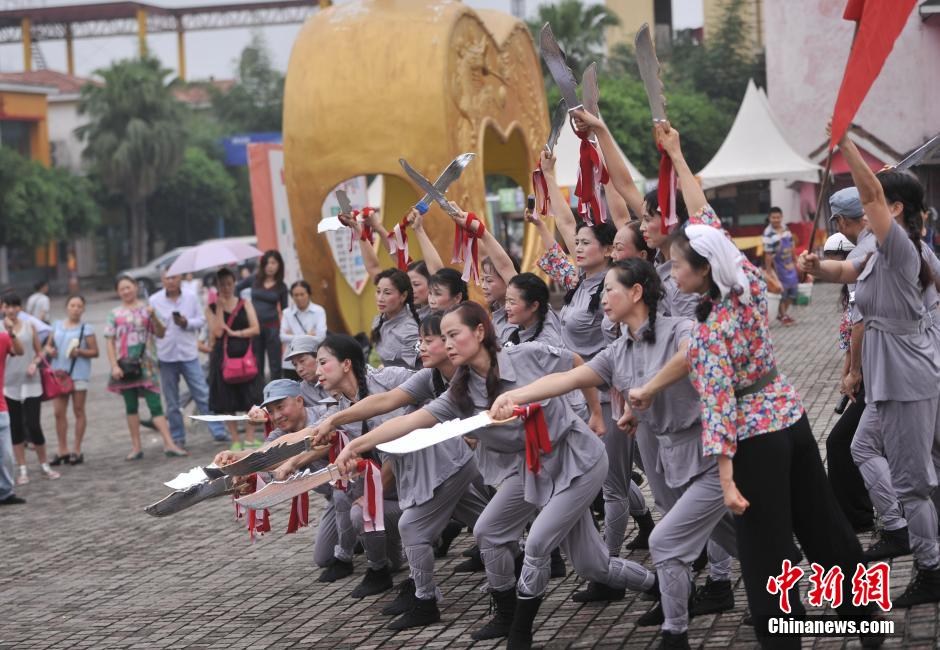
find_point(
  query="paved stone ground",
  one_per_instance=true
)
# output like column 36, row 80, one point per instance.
column 83, row 566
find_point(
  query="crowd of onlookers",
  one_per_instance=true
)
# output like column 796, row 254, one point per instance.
column 150, row 343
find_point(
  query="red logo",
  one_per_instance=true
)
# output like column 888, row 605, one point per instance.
column 789, row 576
column 871, row 585
column 826, row 587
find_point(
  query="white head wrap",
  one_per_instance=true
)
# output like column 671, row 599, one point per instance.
column 723, row 256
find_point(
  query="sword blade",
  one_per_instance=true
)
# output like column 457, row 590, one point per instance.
column 590, row 94
column 279, row 491
column 920, row 154
column 558, row 67
column 183, row 499
column 262, row 459
column 432, row 192
column 559, row 116
column 424, row 438
column 649, row 71
column 219, row 418
column 345, row 207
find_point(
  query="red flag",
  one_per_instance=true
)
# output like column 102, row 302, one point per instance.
column 880, row 24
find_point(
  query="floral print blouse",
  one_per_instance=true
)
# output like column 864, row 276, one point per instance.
column 845, row 331
column 732, row 350
column 558, row 267
column 133, row 337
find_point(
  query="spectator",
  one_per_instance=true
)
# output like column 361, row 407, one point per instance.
column 9, row 346
column 38, row 302
column 269, row 299
column 305, row 317
column 232, row 324
column 72, row 346
column 780, row 260
column 134, row 364
column 178, row 354
column 22, row 388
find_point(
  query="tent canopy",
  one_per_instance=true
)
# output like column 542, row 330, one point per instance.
column 568, row 159
column 755, row 149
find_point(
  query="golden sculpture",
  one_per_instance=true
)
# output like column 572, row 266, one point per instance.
column 372, row 81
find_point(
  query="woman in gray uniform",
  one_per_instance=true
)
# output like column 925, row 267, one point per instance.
column 528, row 313
column 493, row 285
column 434, row 484
column 420, row 285
column 900, row 362
column 694, row 503
column 553, row 471
column 395, row 329
column 585, row 332
column 447, row 289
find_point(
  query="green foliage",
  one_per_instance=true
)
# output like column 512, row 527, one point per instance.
column 81, row 213
column 256, row 102
column 578, row 28
column 188, row 204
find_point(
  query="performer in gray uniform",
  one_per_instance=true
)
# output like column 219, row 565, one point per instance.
column 693, row 502
column 557, row 468
column 585, row 332
column 420, row 284
column 529, row 315
column 434, row 484
column 395, row 329
column 900, row 361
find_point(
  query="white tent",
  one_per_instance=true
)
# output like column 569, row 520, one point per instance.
column 568, row 157
column 755, row 149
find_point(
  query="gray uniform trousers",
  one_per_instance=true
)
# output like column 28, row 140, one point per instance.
column 327, row 536
column 458, row 498
column 665, row 497
column 868, row 452
column 911, row 444
column 565, row 520
column 622, row 497
column 381, row 547
column 697, row 518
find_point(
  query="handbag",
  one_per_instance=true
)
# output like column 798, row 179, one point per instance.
column 55, row 383
column 237, row 370
column 133, row 367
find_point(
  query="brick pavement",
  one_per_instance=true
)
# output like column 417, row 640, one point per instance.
column 83, row 566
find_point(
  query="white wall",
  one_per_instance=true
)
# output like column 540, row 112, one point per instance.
column 63, row 120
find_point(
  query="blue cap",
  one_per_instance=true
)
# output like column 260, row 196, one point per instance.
column 302, row 344
column 280, row 389
column 846, row 203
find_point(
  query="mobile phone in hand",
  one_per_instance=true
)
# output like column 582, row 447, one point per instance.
column 530, row 203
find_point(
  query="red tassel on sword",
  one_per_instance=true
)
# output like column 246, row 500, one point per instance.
column 666, row 192
column 537, row 441
column 373, row 511
column 592, row 173
column 299, row 513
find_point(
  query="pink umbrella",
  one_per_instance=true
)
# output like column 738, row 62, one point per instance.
column 219, row 252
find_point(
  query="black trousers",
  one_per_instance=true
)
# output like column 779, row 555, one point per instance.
column 268, row 341
column 844, row 477
column 781, row 475
column 24, row 421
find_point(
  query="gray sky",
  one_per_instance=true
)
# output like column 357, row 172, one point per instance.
column 213, row 53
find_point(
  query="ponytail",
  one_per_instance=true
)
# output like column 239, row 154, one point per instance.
column 905, row 188
column 638, row 271
column 533, row 290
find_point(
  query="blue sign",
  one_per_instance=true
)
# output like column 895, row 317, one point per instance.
column 236, row 146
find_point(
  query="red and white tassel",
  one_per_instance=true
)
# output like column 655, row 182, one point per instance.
column 592, row 174
column 543, row 202
column 340, row 440
column 666, row 192
column 258, row 522
column 398, row 244
column 466, row 247
column 299, row 513
column 373, row 510
column 537, row 440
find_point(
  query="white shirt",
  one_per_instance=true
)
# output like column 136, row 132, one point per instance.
column 178, row 344
column 296, row 322
column 38, row 305
column 42, row 328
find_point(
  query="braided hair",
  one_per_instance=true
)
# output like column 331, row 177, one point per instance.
column 473, row 315
column 698, row 263
column 402, row 283
column 638, row 271
column 604, row 233
column 903, row 187
column 345, row 347
column 431, row 326
column 533, row 290
column 451, row 280
column 652, row 205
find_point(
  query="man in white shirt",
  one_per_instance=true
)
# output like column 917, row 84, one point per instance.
column 303, row 318
column 178, row 355
column 38, row 304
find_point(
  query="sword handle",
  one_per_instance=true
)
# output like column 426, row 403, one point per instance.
column 506, row 421
column 422, row 207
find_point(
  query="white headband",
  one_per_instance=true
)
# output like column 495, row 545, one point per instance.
column 723, row 256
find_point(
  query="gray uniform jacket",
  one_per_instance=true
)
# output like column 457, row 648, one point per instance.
column 313, row 417
column 398, row 336
column 501, row 323
column 501, row 451
column 674, row 416
column 421, row 472
column 581, row 331
column 899, row 359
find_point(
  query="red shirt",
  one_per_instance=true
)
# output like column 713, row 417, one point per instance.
column 6, row 347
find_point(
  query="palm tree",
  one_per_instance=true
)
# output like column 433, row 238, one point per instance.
column 579, row 30
column 135, row 136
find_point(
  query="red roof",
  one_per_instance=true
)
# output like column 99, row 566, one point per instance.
column 65, row 83
column 197, row 93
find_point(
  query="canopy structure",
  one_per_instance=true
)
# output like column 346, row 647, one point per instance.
column 568, row 157
column 756, row 150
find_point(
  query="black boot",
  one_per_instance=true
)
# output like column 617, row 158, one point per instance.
column 448, row 535
column 337, row 570
column 651, row 595
column 924, row 588
column 503, row 603
column 642, row 539
column 520, row 633
column 598, row 592
column 424, row 612
column 655, row 616
column 375, row 581
column 404, row 601
column 473, row 550
column 558, row 570
column 893, row 543
column 699, row 563
column 712, row 597
column 473, row 564
column 678, row 640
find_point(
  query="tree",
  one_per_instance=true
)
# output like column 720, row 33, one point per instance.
column 189, row 204
column 256, row 102
column 81, row 214
column 579, row 30
column 135, row 136
column 31, row 212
